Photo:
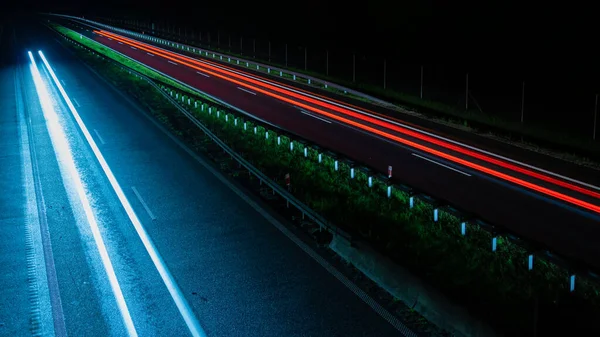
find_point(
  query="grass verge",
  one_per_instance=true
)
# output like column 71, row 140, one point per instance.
column 496, row 285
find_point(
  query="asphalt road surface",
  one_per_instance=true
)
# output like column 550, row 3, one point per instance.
column 74, row 261
column 567, row 229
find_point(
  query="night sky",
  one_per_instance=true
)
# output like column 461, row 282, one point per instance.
column 551, row 44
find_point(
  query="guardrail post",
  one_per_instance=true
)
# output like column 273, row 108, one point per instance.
column 305, row 151
column 291, row 145
column 352, row 173
column 463, row 228
column 335, row 165
column 530, row 261
column 435, row 214
column 494, row 243
column 370, row 181
column 278, row 140
column 572, row 283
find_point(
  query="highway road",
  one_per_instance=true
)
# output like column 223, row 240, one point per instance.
column 110, row 227
column 546, row 208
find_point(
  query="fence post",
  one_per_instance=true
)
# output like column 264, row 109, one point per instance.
column 595, row 116
column 421, row 82
column 353, row 68
column 523, row 103
column 384, row 73
column 326, row 62
column 467, row 93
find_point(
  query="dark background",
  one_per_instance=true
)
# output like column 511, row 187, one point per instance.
column 553, row 47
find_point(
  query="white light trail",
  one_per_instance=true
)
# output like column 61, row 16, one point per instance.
column 64, row 154
column 184, row 308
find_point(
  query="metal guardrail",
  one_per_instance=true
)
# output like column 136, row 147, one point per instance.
column 307, row 211
column 534, row 249
column 310, row 80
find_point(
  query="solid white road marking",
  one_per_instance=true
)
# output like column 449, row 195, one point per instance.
column 120, row 42
column 313, row 116
column 76, row 103
column 172, row 62
column 250, row 92
column 137, row 194
column 440, row 164
column 149, row 54
column 133, row 48
column 99, row 137
column 203, row 74
column 182, row 305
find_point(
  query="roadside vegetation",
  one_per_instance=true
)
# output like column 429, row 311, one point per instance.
column 496, row 286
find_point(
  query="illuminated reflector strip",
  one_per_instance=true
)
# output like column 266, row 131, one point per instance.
column 65, row 158
column 182, row 304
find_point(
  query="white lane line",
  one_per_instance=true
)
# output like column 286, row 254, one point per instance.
column 133, row 48
column 68, row 168
column 137, row 194
column 172, row 62
column 119, row 42
column 99, row 137
column 182, row 305
column 63, row 82
column 313, row 116
column 150, row 54
column 250, row 92
column 108, row 38
column 440, row 164
column 406, row 126
column 203, row 74
column 76, row 103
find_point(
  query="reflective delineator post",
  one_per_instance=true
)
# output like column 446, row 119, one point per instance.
column 202, row 107
column 177, row 95
column 463, row 228
column 352, row 173
column 370, row 181
column 247, row 64
column 235, row 121
column 267, row 134
column 494, row 243
column 305, row 151
column 171, row 93
column 530, row 262
column 255, row 130
column 238, row 61
column 226, row 118
column 278, row 140
column 195, row 104
column 280, row 73
column 335, row 165
column 210, row 110
column 411, row 202
column 189, row 101
column 389, row 191
column 435, row 215
column 572, row 283
column 218, row 113
column 320, row 157
column 268, row 70
column 294, row 76
column 308, row 80
column 245, row 127
column 291, row 145
column 229, row 59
